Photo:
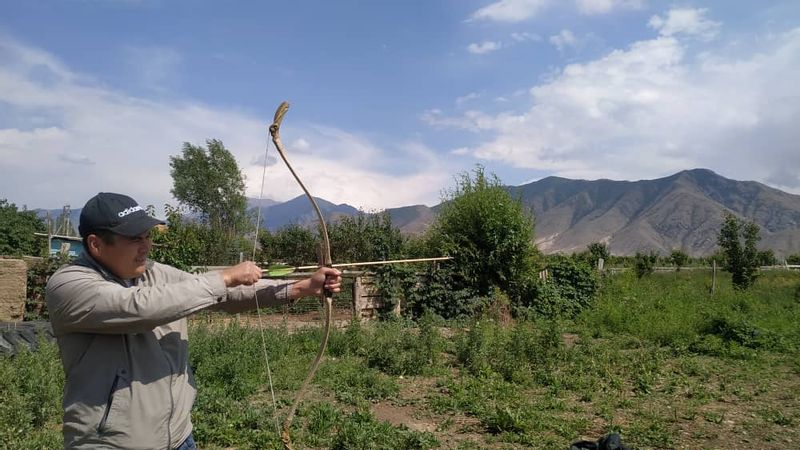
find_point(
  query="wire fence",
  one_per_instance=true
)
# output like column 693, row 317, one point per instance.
column 305, row 312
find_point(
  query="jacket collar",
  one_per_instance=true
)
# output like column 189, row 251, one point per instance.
column 86, row 260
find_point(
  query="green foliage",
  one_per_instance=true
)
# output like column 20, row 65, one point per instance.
column 793, row 258
column 442, row 291
column 185, row 243
column 413, row 352
column 678, row 258
column 37, row 276
column 489, row 235
column 766, row 258
column 738, row 241
column 292, row 244
column 648, row 358
column 209, row 182
column 644, row 263
column 571, row 287
column 30, row 398
column 354, row 384
column 672, row 309
column 182, row 244
column 598, row 250
column 514, row 353
column 365, row 237
column 16, row 231
column 360, row 430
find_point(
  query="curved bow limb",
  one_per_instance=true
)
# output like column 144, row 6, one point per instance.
column 326, row 296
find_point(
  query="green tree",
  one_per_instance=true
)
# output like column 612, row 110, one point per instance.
column 738, row 240
column 292, row 244
column 794, row 258
column 767, row 258
column 209, row 182
column 644, row 263
column 16, row 231
column 678, row 258
column 488, row 234
column 365, row 237
column 598, row 250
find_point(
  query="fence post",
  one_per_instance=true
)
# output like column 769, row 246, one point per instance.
column 713, row 276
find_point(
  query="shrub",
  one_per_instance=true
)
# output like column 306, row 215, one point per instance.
column 38, row 274
column 571, row 288
column 488, row 234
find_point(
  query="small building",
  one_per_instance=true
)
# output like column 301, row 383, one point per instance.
column 69, row 245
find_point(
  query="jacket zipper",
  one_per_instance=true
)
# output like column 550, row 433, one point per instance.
column 171, row 411
column 102, row 425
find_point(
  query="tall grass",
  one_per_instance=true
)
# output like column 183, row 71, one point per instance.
column 654, row 357
column 678, row 310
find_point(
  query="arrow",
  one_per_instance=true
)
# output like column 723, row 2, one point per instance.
column 279, row 270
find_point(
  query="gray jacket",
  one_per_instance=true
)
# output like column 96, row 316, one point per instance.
column 125, row 349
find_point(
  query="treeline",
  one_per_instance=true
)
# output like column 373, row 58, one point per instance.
column 489, row 235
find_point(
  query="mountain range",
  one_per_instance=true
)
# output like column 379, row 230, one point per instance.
column 682, row 211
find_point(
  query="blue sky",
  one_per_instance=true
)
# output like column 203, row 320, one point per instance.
column 391, row 99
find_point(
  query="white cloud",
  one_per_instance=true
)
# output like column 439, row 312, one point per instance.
column 526, row 37
column 564, row 39
column 510, row 10
column 467, row 98
column 689, row 21
column 301, row 145
column 484, row 47
column 520, row 10
column 71, row 138
column 605, row 6
column 653, row 109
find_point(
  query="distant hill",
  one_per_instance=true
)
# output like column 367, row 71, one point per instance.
column 681, row 211
column 299, row 211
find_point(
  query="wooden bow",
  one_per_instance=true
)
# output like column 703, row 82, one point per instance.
column 325, row 261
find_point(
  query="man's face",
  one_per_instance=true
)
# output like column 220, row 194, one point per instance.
column 125, row 257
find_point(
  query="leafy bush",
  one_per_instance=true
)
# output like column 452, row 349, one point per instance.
column 571, row 287
column 442, row 291
column 37, row 276
column 488, row 234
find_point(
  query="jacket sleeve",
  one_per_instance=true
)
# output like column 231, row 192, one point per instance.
column 243, row 298
column 82, row 302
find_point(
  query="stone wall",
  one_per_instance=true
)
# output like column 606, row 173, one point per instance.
column 13, row 289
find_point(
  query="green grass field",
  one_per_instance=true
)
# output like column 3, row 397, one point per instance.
column 658, row 360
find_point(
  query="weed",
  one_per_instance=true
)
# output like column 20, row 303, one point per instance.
column 360, row 430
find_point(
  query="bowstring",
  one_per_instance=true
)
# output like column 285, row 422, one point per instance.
column 255, row 295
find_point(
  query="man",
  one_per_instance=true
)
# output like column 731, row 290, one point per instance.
column 120, row 322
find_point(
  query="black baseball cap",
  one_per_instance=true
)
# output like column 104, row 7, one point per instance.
column 116, row 213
